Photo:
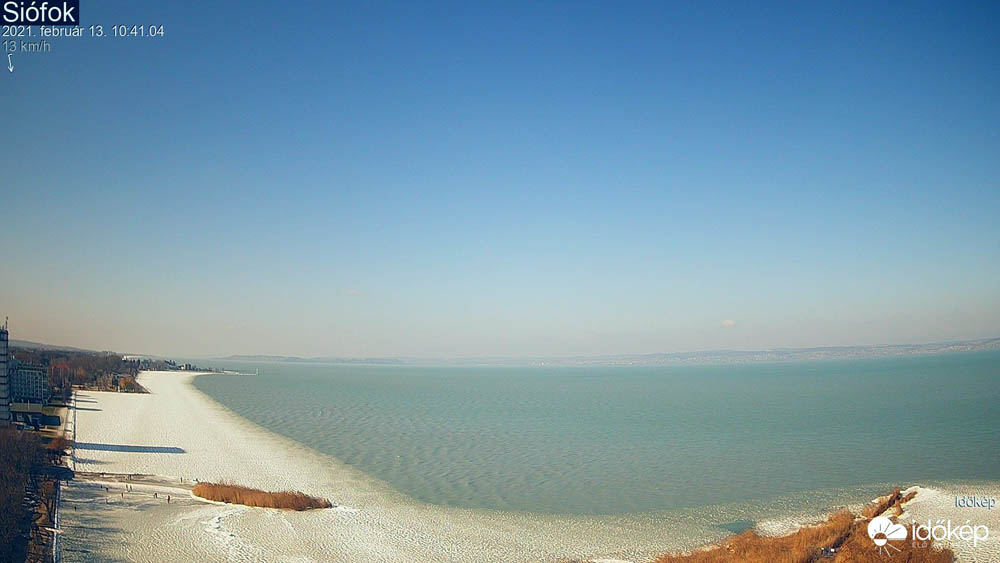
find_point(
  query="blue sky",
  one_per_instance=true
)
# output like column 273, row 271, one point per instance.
column 507, row 179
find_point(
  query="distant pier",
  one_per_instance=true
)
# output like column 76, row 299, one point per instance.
column 230, row 372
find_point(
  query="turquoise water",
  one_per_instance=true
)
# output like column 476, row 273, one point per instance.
column 613, row 440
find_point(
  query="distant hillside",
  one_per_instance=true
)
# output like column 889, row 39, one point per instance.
column 318, row 360
column 791, row 354
column 702, row 357
column 263, row 358
column 39, row 346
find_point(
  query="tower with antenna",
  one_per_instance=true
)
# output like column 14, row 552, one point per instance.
column 4, row 376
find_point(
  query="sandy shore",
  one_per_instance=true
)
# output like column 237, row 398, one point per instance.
column 176, row 435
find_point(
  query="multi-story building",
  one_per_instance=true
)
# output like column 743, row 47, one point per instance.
column 28, row 383
column 4, row 388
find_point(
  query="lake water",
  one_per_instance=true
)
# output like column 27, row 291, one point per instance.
column 616, row 440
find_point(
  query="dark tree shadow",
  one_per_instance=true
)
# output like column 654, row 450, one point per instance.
column 90, row 461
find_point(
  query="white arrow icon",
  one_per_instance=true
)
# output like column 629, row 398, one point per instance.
column 10, row 63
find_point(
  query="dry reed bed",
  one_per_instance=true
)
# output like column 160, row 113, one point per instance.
column 843, row 533
column 235, row 494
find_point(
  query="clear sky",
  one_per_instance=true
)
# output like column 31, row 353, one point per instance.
column 465, row 179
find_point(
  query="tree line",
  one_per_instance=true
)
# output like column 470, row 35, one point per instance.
column 103, row 371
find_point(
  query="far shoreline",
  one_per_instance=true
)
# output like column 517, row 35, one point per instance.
column 652, row 359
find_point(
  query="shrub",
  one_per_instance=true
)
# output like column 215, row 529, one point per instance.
column 235, row 494
column 843, row 532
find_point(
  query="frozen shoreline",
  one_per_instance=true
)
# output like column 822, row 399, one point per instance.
column 176, row 432
column 179, row 433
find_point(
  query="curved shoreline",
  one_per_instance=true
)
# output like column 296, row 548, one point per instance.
column 218, row 444
column 387, row 525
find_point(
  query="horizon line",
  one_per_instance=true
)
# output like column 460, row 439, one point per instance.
column 780, row 349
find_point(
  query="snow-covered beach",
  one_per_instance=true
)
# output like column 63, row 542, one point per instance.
column 177, row 435
column 177, row 432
